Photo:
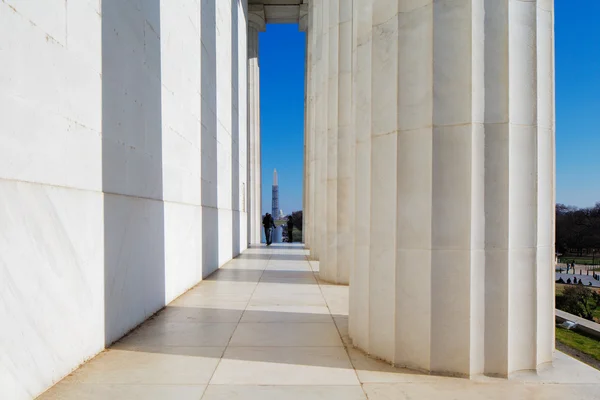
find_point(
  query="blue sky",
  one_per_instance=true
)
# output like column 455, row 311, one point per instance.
column 577, row 107
column 282, row 114
column 577, row 102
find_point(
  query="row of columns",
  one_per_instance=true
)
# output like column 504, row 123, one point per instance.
column 430, row 177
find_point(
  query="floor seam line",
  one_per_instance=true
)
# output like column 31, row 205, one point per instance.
column 345, row 346
column 236, row 326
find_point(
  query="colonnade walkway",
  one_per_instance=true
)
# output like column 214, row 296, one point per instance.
column 265, row 327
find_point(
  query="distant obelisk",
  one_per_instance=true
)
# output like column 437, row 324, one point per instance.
column 275, row 198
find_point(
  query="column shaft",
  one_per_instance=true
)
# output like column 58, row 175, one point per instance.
column 460, row 185
column 361, row 110
column 256, row 24
column 312, row 124
column 340, row 147
column 306, row 26
column 319, row 250
column 328, row 264
column 252, row 130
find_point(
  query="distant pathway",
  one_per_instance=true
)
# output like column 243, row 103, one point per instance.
column 585, row 279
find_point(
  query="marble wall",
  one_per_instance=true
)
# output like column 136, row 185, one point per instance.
column 122, row 170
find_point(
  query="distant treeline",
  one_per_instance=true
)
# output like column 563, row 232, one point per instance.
column 577, row 230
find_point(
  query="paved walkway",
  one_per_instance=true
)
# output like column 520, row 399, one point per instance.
column 265, row 327
column 585, row 279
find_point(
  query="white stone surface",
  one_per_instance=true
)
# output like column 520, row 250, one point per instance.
column 305, row 25
column 123, row 170
column 256, row 24
column 310, row 235
column 124, row 179
column 52, row 284
column 48, row 134
column 361, row 110
column 340, row 147
column 319, row 250
column 275, row 351
column 461, row 188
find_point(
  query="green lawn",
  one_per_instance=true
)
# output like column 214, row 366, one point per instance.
column 579, row 342
column 297, row 234
column 559, row 289
column 587, row 260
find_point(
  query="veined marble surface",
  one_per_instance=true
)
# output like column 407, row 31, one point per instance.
column 51, row 284
column 122, row 170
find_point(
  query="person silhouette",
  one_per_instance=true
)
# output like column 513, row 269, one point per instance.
column 268, row 224
column 290, row 229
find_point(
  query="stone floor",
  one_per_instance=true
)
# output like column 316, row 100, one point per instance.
column 265, row 327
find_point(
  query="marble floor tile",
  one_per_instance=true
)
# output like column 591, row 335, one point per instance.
column 296, row 277
column 468, row 390
column 313, row 300
column 337, row 298
column 86, row 391
column 222, row 302
column 192, row 314
column 279, row 334
column 285, row 366
column 186, row 334
column 151, row 365
column 557, row 372
column 213, row 288
column 299, row 266
column 312, row 392
column 286, row 313
column 285, row 289
column 232, row 296
column 236, row 275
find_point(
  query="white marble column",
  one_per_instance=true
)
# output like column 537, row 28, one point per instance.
column 461, row 186
column 256, row 24
column 318, row 249
column 304, row 25
column 361, row 110
column 340, row 147
column 311, row 130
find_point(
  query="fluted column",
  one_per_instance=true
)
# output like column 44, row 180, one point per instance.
column 461, row 187
column 361, row 110
column 318, row 249
column 304, row 25
column 519, row 184
column 313, row 38
column 256, row 24
column 340, row 146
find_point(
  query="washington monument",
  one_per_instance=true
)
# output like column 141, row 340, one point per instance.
column 275, row 198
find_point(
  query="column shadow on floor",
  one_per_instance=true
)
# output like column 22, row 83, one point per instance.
column 282, row 257
column 268, row 276
column 154, row 337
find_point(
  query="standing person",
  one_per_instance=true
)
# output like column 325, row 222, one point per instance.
column 272, row 228
column 267, row 225
column 290, row 229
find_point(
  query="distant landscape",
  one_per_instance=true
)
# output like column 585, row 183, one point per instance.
column 578, row 242
column 578, row 234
